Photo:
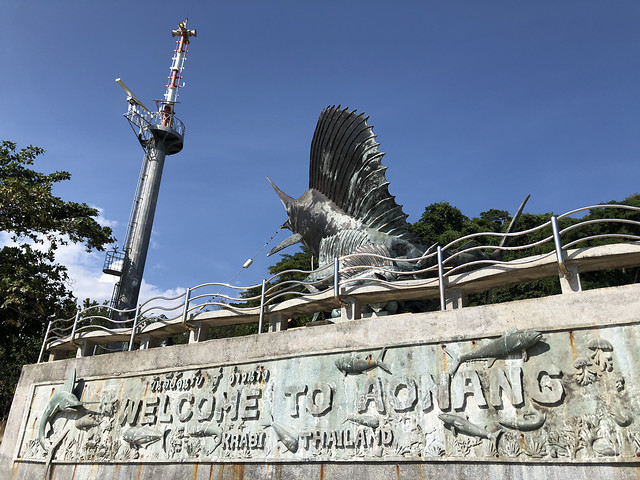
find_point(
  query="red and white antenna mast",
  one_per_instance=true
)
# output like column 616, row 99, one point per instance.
column 177, row 65
column 160, row 133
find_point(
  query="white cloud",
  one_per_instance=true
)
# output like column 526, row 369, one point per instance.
column 5, row 239
column 105, row 222
column 148, row 291
column 153, row 241
column 86, row 279
column 85, row 270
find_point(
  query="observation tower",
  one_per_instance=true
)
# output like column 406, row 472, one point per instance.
column 160, row 133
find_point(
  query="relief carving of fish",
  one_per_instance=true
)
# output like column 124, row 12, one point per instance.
column 355, row 364
column 458, row 424
column 364, row 420
column 139, row 436
column 88, row 421
column 204, row 430
column 285, row 435
column 513, row 341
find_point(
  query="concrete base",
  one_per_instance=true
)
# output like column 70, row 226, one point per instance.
column 599, row 312
column 330, row 471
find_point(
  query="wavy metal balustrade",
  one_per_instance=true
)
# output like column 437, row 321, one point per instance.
column 436, row 268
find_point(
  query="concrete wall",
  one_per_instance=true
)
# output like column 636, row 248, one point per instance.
column 595, row 311
column 330, row 471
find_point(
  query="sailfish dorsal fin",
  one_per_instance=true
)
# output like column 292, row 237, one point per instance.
column 346, row 167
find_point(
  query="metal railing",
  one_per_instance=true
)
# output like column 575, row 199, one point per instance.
column 434, row 268
column 142, row 119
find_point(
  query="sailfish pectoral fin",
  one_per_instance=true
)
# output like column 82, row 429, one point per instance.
column 287, row 242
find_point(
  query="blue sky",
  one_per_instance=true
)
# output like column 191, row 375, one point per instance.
column 474, row 103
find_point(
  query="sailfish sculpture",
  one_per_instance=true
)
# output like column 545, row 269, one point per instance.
column 348, row 208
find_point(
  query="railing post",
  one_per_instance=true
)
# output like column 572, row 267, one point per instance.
column 185, row 310
column 55, row 355
column 135, row 325
column 455, row 298
column 443, row 300
column 73, row 330
column 276, row 323
column 261, row 307
column 85, row 349
column 44, row 341
column 558, row 245
column 336, row 278
column 350, row 310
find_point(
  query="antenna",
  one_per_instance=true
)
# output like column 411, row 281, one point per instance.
column 178, row 61
column 131, row 98
column 160, row 133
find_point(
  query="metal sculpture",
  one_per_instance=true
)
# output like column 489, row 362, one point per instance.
column 348, row 208
column 62, row 400
column 513, row 341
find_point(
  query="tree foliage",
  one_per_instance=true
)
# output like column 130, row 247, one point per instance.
column 33, row 287
column 442, row 223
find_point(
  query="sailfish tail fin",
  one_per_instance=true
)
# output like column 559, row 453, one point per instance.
column 380, row 361
column 455, row 362
column 384, row 367
column 498, row 254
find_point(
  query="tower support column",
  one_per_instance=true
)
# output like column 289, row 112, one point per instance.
column 141, row 223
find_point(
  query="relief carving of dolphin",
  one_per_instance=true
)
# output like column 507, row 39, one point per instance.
column 62, row 400
column 348, row 208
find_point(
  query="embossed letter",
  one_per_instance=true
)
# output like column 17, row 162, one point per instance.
column 512, row 387
column 184, row 414
column 204, row 406
column 294, row 392
column 467, row 382
column 320, row 400
column 130, row 412
column 403, row 394
column 429, row 389
column 373, row 389
column 545, row 387
column 249, row 403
